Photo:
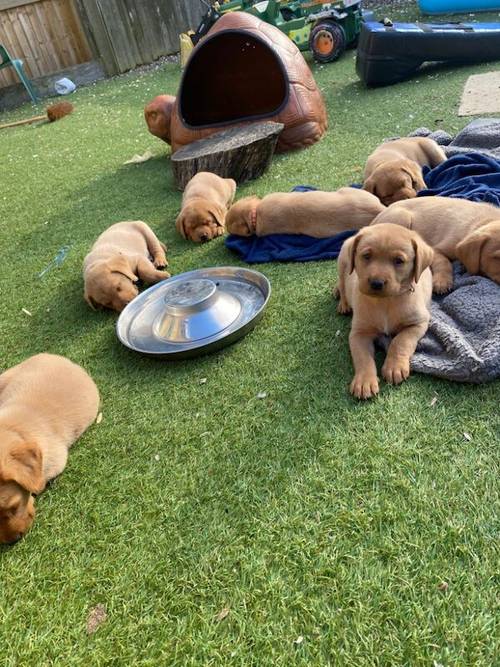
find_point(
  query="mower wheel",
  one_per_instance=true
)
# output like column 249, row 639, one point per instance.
column 327, row 41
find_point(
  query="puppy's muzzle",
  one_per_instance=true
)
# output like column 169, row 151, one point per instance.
column 204, row 238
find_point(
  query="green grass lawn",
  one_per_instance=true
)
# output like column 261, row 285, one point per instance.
column 325, row 526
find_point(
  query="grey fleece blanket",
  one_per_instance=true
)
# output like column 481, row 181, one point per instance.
column 463, row 339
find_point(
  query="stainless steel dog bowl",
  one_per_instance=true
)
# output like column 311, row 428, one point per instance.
column 194, row 313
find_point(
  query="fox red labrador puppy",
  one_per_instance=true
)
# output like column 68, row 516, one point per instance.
column 46, row 403
column 394, row 170
column 385, row 280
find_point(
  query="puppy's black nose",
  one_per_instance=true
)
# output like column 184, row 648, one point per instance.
column 204, row 238
column 377, row 285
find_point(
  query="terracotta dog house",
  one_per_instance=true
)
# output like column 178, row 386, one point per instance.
column 244, row 70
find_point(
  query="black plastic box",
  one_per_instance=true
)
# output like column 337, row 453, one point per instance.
column 390, row 53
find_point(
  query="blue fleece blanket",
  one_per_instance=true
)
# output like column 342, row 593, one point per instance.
column 286, row 247
column 470, row 176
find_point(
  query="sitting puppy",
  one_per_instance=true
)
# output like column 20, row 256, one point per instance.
column 315, row 213
column 394, row 170
column 456, row 229
column 121, row 255
column 385, row 280
column 205, row 202
column 46, row 403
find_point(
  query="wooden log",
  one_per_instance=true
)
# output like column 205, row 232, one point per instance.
column 242, row 153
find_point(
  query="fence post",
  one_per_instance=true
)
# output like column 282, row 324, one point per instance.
column 97, row 35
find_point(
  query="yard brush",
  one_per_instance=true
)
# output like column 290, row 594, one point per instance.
column 53, row 113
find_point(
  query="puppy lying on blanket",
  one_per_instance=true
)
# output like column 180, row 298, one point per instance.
column 394, row 170
column 121, row 255
column 316, row 213
column 384, row 278
column 463, row 339
column 456, row 229
column 205, row 202
column 46, row 403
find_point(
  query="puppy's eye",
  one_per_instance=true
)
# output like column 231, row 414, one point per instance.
column 366, row 255
column 118, row 289
column 398, row 261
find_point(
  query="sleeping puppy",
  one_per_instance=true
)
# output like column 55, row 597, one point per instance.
column 394, row 170
column 456, row 229
column 46, row 403
column 316, row 213
column 205, row 202
column 121, row 255
column 384, row 278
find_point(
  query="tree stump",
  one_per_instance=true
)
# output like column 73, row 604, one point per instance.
column 242, row 153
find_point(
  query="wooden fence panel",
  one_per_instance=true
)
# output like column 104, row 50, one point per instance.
column 50, row 35
column 46, row 34
column 128, row 33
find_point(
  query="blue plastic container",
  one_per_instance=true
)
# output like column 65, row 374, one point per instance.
column 457, row 6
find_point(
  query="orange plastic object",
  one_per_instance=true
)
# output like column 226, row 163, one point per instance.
column 244, row 70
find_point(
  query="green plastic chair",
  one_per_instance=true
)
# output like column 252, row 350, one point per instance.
column 7, row 61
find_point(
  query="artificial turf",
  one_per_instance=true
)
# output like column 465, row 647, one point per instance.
column 217, row 527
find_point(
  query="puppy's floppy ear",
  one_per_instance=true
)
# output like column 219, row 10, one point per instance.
column 370, row 186
column 469, row 250
column 180, row 226
column 424, row 255
column 119, row 264
column 233, row 216
column 24, row 466
column 93, row 304
column 353, row 248
column 228, row 221
column 218, row 214
column 414, row 171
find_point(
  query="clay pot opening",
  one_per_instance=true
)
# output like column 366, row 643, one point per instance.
column 231, row 77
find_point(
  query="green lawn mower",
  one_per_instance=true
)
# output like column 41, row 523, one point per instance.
column 325, row 28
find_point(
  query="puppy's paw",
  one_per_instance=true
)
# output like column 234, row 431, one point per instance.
column 395, row 371
column 441, row 284
column 220, row 231
column 160, row 261
column 364, row 386
column 343, row 307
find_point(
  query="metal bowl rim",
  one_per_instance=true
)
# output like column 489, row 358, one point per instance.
column 192, row 349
